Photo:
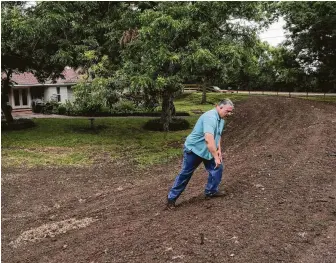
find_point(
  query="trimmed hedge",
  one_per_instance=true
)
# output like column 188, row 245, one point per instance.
column 175, row 125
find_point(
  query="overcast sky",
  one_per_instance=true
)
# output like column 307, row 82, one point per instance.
column 275, row 34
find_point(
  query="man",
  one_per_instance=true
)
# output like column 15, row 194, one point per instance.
column 203, row 145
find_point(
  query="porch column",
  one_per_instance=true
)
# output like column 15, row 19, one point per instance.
column 29, row 98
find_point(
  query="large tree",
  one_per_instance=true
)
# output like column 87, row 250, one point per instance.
column 154, row 53
column 29, row 43
column 188, row 40
column 278, row 69
column 313, row 37
column 15, row 33
column 225, row 46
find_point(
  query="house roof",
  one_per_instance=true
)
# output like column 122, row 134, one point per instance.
column 27, row 78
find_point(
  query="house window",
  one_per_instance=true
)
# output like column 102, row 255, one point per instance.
column 16, row 97
column 58, row 89
column 24, row 95
column 20, row 97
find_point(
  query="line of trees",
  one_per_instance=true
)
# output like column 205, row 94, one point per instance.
column 155, row 47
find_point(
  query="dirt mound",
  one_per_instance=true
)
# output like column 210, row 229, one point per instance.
column 279, row 176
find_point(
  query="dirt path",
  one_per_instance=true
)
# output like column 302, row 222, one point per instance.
column 281, row 207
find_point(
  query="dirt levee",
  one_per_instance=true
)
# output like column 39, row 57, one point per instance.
column 280, row 163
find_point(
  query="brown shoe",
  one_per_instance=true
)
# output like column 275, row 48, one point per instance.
column 217, row 194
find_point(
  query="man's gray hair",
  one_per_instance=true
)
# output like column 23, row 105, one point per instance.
column 226, row 102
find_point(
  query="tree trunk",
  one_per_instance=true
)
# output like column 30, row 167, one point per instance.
column 167, row 106
column 4, row 94
column 203, row 94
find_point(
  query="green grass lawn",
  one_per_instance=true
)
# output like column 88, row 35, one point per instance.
column 70, row 142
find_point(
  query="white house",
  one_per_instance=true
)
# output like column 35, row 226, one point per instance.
column 26, row 88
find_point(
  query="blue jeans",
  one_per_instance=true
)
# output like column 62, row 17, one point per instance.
column 190, row 162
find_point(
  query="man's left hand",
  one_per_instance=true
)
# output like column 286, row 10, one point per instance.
column 220, row 155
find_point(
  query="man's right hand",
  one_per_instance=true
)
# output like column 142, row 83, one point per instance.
column 218, row 161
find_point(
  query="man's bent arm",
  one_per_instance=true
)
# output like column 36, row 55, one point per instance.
column 210, row 142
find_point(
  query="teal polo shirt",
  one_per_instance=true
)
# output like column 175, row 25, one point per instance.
column 209, row 122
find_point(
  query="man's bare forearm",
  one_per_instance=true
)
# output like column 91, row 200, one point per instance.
column 210, row 142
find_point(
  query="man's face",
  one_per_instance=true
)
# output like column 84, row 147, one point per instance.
column 224, row 111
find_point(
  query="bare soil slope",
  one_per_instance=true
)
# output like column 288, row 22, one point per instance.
column 280, row 177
